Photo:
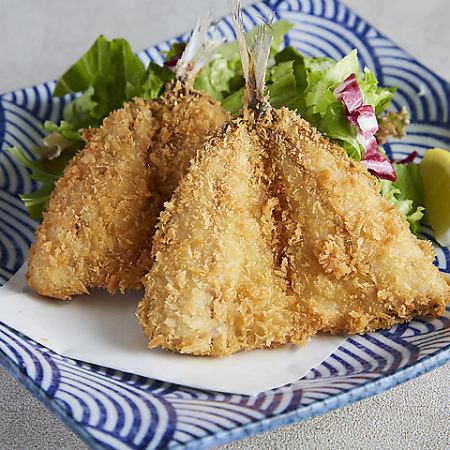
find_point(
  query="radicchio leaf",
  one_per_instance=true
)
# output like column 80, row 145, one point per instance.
column 363, row 117
column 375, row 162
column 349, row 93
column 408, row 159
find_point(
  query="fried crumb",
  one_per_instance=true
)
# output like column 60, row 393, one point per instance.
column 101, row 216
column 275, row 234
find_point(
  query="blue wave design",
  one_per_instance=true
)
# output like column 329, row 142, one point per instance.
column 113, row 409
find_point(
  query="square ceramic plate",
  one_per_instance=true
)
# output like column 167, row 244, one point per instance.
column 112, row 409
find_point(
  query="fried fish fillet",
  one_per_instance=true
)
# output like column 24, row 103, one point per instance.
column 276, row 234
column 101, row 213
column 214, row 288
column 351, row 260
column 101, row 216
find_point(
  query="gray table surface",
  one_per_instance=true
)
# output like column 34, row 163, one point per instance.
column 40, row 38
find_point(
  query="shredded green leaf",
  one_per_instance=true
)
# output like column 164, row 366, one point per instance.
column 379, row 97
column 406, row 193
column 64, row 128
column 109, row 74
column 104, row 74
column 222, row 78
column 319, row 91
column 37, row 201
column 156, row 79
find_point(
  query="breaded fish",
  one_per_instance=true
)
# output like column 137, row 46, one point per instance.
column 276, row 234
column 352, row 261
column 100, row 219
column 214, row 287
column 101, row 214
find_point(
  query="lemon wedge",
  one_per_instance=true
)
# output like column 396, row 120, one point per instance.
column 435, row 169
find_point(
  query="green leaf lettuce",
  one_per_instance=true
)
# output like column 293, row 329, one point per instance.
column 406, row 193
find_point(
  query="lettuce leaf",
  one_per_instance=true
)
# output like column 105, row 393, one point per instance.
column 281, row 86
column 44, row 171
column 307, row 86
column 233, row 102
column 321, row 84
column 64, row 128
column 216, row 79
column 110, row 65
column 335, row 125
column 60, row 138
column 222, row 78
column 409, row 180
column 105, row 74
column 378, row 97
column 108, row 74
column 154, row 83
column 36, row 201
column 324, row 110
column 295, row 80
column 406, row 193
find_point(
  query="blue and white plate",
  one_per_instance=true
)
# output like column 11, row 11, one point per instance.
column 112, row 409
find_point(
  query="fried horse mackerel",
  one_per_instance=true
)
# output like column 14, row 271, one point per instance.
column 276, row 234
column 101, row 217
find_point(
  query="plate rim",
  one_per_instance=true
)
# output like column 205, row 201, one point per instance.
column 365, row 390
column 368, row 389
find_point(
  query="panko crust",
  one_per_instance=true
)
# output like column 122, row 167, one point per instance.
column 101, row 217
column 274, row 235
column 214, row 287
column 352, row 259
column 187, row 119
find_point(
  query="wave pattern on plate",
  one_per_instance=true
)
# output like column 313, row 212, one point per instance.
column 112, row 409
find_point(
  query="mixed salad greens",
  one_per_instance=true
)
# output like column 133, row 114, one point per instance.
column 343, row 102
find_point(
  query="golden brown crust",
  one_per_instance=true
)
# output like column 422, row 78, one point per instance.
column 276, row 234
column 187, row 118
column 101, row 216
column 352, row 259
column 214, row 287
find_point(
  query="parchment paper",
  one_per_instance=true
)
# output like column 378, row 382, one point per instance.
column 103, row 330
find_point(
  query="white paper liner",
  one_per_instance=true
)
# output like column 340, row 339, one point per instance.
column 103, row 330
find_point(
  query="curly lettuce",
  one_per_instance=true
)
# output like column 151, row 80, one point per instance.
column 109, row 74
